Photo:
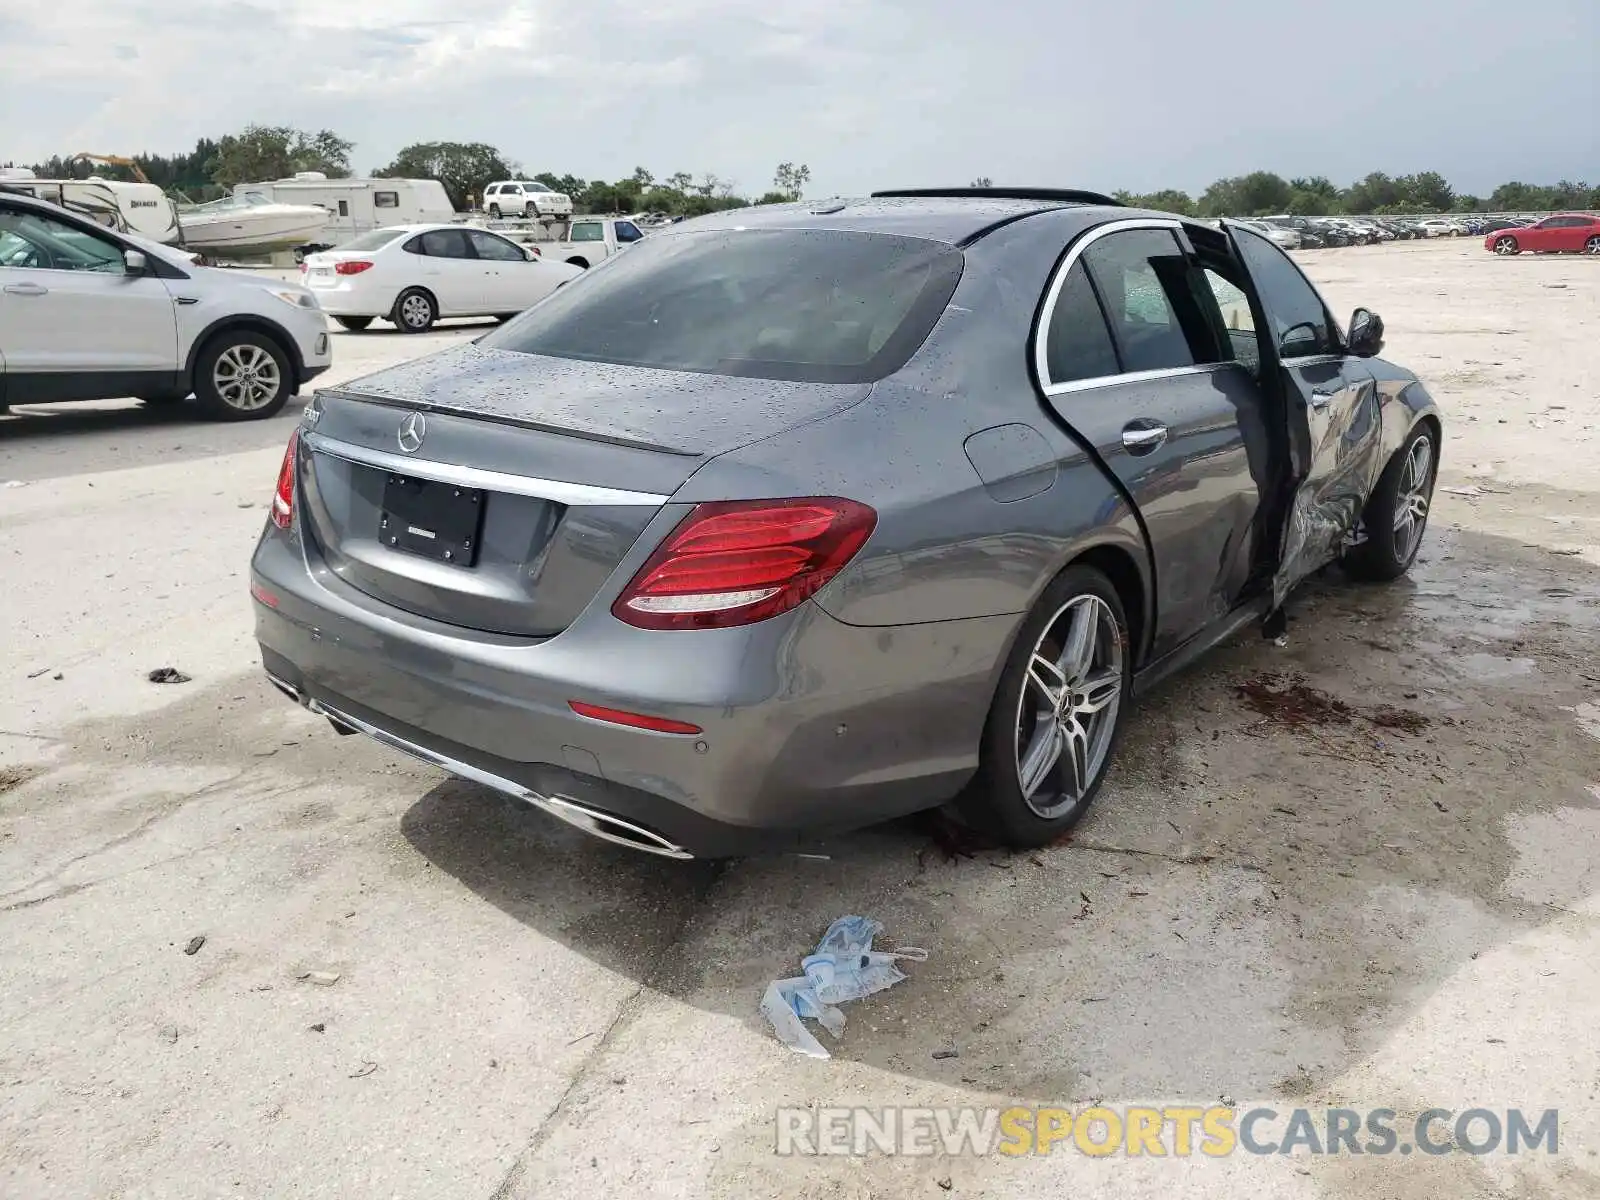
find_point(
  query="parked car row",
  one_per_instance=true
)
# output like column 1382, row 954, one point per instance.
column 1316, row 232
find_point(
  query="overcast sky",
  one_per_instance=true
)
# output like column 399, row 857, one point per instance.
column 1139, row 94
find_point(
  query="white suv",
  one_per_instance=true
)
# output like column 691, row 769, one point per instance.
column 525, row 198
column 87, row 313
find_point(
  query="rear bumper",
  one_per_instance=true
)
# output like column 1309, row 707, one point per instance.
column 809, row 726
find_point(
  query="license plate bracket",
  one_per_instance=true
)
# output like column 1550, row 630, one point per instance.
column 433, row 520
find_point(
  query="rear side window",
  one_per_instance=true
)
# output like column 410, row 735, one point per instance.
column 1139, row 274
column 1078, row 345
column 441, row 243
column 814, row 306
column 590, row 231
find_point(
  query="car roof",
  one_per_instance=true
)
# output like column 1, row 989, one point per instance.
column 957, row 217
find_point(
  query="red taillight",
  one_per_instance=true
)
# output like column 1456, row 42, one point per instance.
column 633, row 720
column 302, row 267
column 283, row 498
column 738, row 561
column 353, row 266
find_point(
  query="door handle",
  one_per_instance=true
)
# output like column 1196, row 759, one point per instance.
column 26, row 289
column 1142, row 439
column 1321, row 400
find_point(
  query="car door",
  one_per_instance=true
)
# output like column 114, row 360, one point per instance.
column 1567, row 234
column 455, row 276
column 510, row 280
column 1329, row 403
column 75, row 323
column 1133, row 363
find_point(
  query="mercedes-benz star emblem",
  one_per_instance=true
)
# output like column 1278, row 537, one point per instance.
column 412, row 430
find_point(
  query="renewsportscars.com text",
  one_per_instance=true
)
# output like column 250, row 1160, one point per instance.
column 1161, row 1132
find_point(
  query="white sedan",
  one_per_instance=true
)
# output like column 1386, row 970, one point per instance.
column 413, row 275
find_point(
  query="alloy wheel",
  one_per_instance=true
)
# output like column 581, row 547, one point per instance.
column 1067, row 712
column 1592, row 246
column 246, row 377
column 1506, row 245
column 1411, row 504
column 416, row 312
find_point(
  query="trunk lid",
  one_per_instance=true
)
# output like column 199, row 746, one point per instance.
column 536, row 475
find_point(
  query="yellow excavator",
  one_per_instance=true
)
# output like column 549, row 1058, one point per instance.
column 113, row 161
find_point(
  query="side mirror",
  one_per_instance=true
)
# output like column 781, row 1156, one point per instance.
column 1366, row 333
column 529, row 253
column 135, row 262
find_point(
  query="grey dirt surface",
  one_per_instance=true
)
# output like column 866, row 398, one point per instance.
column 1360, row 869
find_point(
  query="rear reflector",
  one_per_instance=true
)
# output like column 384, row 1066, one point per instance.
column 617, row 716
column 353, row 267
column 270, row 599
column 739, row 561
column 283, row 498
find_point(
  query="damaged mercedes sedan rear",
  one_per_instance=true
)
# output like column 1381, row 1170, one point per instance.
column 795, row 519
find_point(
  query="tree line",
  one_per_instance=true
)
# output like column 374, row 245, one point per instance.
column 262, row 152
column 1261, row 193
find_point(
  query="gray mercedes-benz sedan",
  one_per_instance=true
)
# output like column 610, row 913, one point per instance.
column 796, row 518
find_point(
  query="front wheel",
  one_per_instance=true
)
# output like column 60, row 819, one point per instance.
column 1506, row 245
column 415, row 311
column 1397, row 512
column 354, row 324
column 242, row 375
column 494, row 211
column 1592, row 246
column 530, row 210
column 1057, row 714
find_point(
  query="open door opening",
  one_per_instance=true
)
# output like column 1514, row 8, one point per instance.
column 1328, row 430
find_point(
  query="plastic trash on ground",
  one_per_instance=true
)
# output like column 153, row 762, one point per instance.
column 845, row 967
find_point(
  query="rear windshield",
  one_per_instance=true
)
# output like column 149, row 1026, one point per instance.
column 810, row 306
column 373, row 239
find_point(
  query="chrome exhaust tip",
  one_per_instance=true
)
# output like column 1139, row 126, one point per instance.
column 602, row 825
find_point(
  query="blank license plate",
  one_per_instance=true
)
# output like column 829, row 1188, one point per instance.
column 432, row 520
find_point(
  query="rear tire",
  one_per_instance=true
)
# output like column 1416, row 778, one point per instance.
column 1396, row 516
column 354, row 324
column 242, row 375
column 415, row 311
column 1064, row 692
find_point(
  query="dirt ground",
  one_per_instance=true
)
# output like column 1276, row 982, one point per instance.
column 1360, row 869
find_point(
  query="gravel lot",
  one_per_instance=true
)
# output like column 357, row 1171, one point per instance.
column 1396, row 904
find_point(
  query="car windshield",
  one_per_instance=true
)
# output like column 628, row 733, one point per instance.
column 373, row 239
column 243, row 200
column 815, row 306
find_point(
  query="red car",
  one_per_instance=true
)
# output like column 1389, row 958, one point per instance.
column 1565, row 232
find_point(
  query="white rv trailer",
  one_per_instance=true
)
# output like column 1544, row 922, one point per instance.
column 358, row 205
column 141, row 208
